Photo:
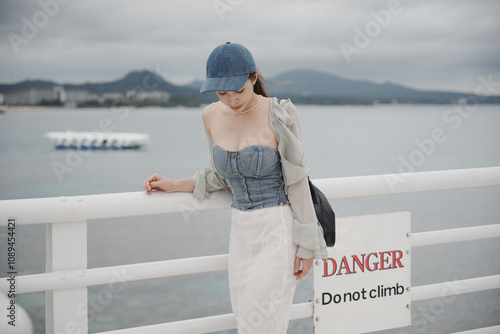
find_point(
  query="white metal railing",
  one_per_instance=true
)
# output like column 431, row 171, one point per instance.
column 67, row 276
column 90, row 207
column 78, row 279
column 139, row 271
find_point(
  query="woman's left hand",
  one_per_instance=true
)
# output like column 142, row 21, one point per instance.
column 306, row 266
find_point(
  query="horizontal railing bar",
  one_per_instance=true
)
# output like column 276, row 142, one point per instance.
column 392, row 184
column 485, row 330
column 447, row 290
column 207, row 324
column 301, row 311
column 139, row 271
column 305, row 310
column 116, row 275
column 455, row 235
column 199, row 325
column 91, row 207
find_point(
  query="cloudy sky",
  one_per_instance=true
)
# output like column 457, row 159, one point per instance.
column 443, row 45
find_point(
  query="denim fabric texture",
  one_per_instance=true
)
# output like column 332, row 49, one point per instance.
column 228, row 67
column 307, row 233
column 254, row 176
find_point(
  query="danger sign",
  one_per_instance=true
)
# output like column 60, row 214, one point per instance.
column 364, row 283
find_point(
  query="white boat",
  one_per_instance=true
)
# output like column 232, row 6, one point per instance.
column 97, row 140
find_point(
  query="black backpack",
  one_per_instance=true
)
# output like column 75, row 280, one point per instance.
column 324, row 213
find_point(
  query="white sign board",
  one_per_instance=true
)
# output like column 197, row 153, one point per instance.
column 364, row 283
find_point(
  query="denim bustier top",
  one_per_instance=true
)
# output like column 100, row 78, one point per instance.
column 254, row 175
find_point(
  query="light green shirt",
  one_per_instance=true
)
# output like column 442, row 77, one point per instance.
column 307, row 232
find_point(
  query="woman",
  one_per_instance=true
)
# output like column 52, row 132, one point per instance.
column 257, row 155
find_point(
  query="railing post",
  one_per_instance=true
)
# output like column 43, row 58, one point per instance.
column 66, row 310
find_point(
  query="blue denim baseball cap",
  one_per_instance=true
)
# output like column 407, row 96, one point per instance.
column 228, row 67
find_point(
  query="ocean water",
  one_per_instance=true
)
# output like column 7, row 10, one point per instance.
column 339, row 141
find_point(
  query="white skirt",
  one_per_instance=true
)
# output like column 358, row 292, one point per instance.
column 261, row 269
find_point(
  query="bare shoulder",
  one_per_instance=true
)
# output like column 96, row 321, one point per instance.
column 209, row 114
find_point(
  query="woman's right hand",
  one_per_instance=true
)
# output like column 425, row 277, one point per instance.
column 158, row 182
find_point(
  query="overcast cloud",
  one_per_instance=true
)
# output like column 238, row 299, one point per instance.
column 441, row 45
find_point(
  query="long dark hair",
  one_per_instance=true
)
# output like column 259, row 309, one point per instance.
column 259, row 87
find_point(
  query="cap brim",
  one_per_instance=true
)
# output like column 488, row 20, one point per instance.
column 224, row 84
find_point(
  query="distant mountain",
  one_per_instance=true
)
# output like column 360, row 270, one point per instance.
column 302, row 86
column 6, row 88
column 204, row 98
column 308, row 85
column 313, row 87
column 196, row 84
column 137, row 80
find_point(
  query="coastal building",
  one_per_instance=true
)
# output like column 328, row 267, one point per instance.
column 142, row 95
column 34, row 96
column 79, row 95
column 72, row 96
column 115, row 96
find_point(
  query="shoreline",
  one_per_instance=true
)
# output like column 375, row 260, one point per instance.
column 21, row 107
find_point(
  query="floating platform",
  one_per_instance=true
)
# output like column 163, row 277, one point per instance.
column 97, row 140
